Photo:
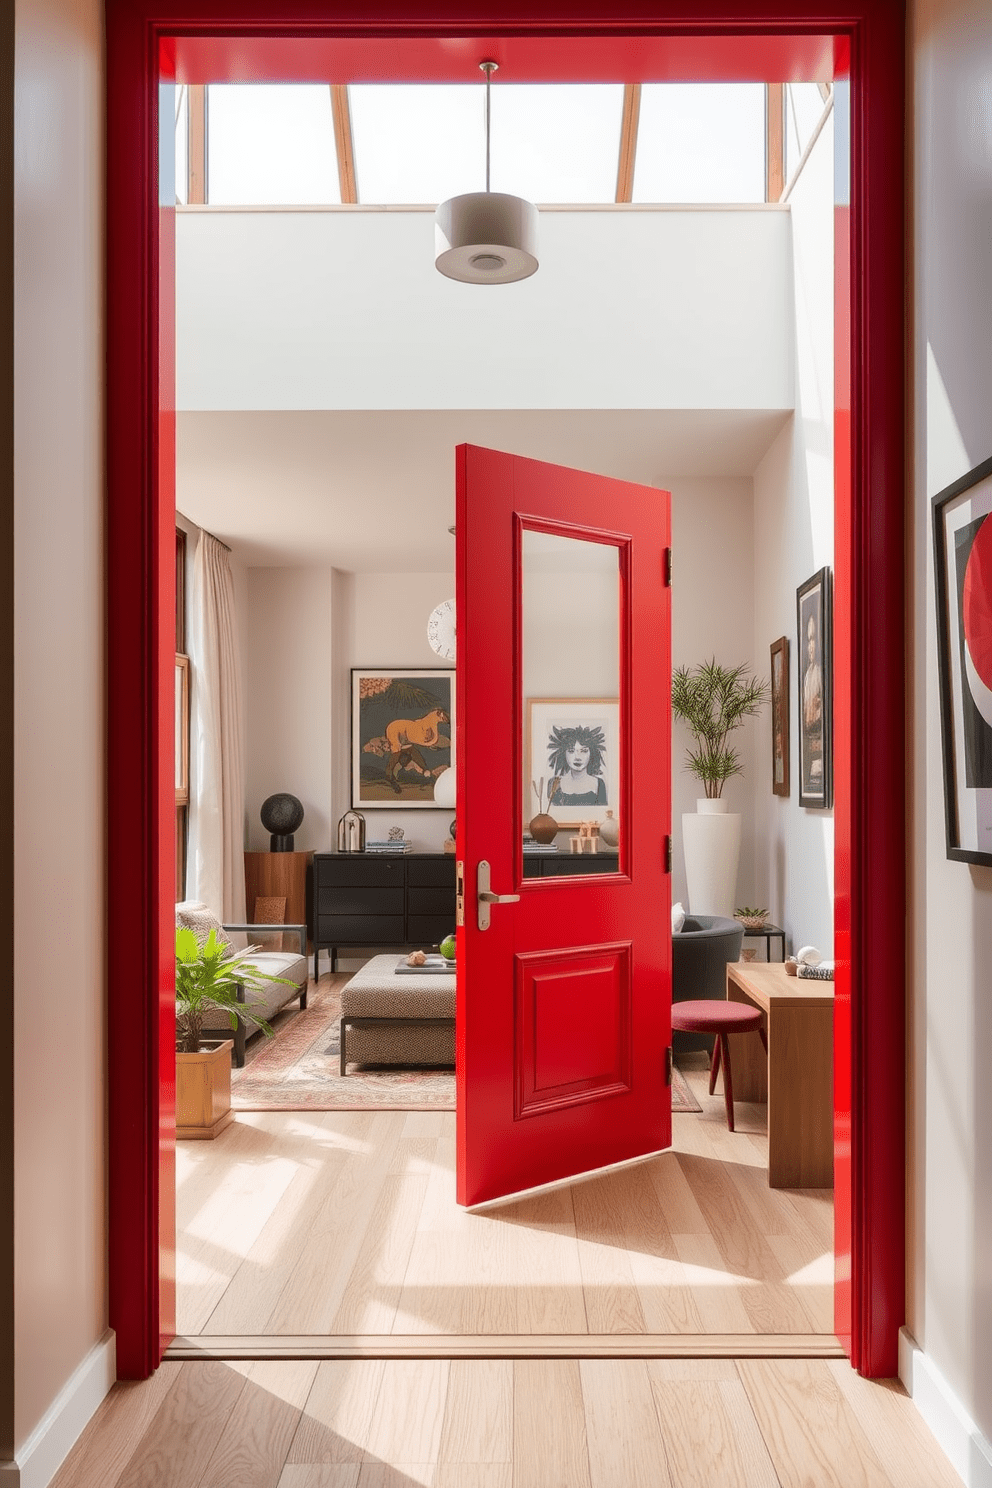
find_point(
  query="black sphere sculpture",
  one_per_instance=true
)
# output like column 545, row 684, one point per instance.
column 282, row 815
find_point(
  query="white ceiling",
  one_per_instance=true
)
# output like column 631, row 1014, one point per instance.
column 374, row 492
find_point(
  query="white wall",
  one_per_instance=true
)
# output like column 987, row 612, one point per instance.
column 793, row 538
column 288, row 680
column 59, row 1285
column 307, row 628
column 713, row 601
column 950, row 1202
column 332, row 309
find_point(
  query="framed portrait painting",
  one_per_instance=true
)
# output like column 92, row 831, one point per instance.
column 814, row 623
column 402, row 727
column 963, row 570
column 780, row 716
column 573, row 748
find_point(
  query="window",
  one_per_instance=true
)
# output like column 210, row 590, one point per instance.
column 182, row 718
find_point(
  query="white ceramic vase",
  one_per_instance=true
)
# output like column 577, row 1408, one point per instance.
column 711, row 841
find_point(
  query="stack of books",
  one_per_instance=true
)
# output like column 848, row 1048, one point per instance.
column 388, row 847
column 540, row 847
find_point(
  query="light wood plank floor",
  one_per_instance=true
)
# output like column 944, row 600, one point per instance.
column 500, row 1423
column 345, row 1223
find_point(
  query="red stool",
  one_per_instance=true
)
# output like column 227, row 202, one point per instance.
column 719, row 1018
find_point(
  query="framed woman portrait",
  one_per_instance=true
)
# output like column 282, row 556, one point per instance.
column 780, row 716
column 815, row 672
column 573, row 757
column 962, row 516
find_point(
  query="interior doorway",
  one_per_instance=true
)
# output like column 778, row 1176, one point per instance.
column 869, row 651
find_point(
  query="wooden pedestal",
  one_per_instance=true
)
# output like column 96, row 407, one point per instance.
column 282, row 875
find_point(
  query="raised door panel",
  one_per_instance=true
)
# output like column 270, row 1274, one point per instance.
column 573, row 1027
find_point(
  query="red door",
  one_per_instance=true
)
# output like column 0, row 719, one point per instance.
column 563, row 676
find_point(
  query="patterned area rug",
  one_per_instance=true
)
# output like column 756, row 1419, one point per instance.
column 297, row 1070
column 683, row 1100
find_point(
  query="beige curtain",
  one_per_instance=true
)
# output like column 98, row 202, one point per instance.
column 216, row 873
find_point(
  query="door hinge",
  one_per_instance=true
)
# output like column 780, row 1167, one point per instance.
column 668, row 854
column 668, row 567
column 668, row 1065
column 460, row 894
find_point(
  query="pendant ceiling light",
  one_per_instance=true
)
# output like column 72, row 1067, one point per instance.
column 486, row 237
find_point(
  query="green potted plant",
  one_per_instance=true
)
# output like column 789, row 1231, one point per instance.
column 209, row 975
column 713, row 701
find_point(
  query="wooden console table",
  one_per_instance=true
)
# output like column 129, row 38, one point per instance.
column 797, row 1078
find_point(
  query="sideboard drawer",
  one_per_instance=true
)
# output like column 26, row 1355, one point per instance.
column 358, row 929
column 431, row 901
column 360, row 899
column 429, row 872
column 425, row 930
column 357, row 869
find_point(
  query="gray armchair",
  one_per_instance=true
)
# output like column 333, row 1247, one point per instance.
column 700, row 953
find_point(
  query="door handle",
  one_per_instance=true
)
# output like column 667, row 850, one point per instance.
column 486, row 896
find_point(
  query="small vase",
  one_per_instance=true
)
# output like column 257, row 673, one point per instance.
column 543, row 828
column 609, row 831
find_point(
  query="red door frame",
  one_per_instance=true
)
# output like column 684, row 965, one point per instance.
column 648, row 38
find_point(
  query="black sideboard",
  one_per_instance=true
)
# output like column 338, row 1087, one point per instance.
column 568, row 864
column 375, row 899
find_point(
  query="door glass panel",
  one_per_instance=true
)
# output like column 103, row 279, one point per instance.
column 570, row 672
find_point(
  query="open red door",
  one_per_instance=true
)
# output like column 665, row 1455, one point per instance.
column 563, row 675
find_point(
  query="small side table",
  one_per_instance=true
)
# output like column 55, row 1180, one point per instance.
column 768, row 933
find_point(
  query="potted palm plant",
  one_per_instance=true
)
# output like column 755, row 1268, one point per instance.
column 713, row 701
column 209, row 975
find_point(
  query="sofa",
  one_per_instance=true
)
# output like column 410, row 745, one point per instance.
column 700, row 953
column 268, row 998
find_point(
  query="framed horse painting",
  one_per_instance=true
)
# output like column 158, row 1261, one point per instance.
column 402, row 728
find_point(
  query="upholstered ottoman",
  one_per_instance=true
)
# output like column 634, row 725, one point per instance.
column 391, row 1017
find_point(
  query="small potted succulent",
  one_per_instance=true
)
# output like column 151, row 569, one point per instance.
column 751, row 919
column 209, row 975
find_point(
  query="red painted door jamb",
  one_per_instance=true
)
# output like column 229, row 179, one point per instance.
column 869, row 644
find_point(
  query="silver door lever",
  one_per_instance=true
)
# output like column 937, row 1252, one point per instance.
column 486, row 896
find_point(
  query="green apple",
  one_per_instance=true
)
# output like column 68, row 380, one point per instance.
column 447, row 947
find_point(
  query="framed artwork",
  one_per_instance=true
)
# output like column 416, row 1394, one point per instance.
column 780, row 716
column 814, row 623
column 402, row 727
column 573, row 746
column 963, row 571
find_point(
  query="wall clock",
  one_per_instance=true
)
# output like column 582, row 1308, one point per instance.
column 441, row 629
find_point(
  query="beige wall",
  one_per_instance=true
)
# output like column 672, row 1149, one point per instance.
column 59, row 1281
column 950, row 1284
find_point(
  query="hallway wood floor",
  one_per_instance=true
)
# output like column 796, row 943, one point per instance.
column 345, row 1223
column 499, row 1423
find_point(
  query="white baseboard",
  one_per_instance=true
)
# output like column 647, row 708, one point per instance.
column 41, row 1456
column 969, row 1451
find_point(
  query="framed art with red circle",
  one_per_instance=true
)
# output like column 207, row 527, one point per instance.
column 963, row 570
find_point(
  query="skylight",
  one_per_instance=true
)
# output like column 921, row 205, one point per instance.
column 701, row 142
column 418, row 144
column 271, row 144
column 804, row 105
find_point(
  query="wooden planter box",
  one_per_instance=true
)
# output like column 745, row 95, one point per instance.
column 203, row 1093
